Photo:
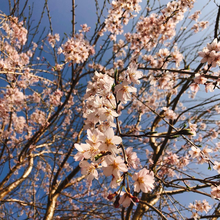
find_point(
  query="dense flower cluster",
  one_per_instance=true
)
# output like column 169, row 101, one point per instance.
column 119, row 14
column 77, row 49
column 158, row 28
column 16, row 31
column 102, row 147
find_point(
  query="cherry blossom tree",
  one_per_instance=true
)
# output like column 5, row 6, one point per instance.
column 115, row 121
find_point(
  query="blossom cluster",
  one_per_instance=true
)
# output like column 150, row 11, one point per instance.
column 200, row 25
column 210, row 54
column 16, row 31
column 170, row 114
column 170, row 162
column 200, row 79
column 103, row 149
column 76, row 49
column 119, row 14
column 200, row 206
column 158, row 28
column 12, row 58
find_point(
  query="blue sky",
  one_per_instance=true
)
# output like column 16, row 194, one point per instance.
column 60, row 13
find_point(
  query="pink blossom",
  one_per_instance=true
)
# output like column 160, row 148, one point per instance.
column 206, row 206
column 203, row 24
column 144, row 181
column 177, row 57
column 194, row 152
column 132, row 158
column 170, row 114
column 39, row 117
column 106, row 125
column 195, row 15
column 206, row 151
column 200, row 206
column 200, row 79
column 94, row 137
column 89, row 170
column 209, row 87
column 91, row 148
column 202, row 126
column 16, row 30
column 115, row 182
column 123, row 92
column 193, row 128
column 215, row 191
column 85, row 28
column 19, row 123
column 194, row 87
column 125, row 200
column 14, row 96
column 195, row 27
column 113, row 166
column 205, row 54
column 215, row 45
column 209, row 54
column 77, row 49
column 133, row 74
column 55, row 98
column 109, row 141
column 195, row 216
column 216, row 166
column 107, row 114
column 53, row 38
column 83, row 149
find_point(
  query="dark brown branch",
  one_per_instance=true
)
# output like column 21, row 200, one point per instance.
column 217, row 24
column 73, row 18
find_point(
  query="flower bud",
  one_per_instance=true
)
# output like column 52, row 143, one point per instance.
column 111, row 196
column 135, row 199
column 116, row 202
